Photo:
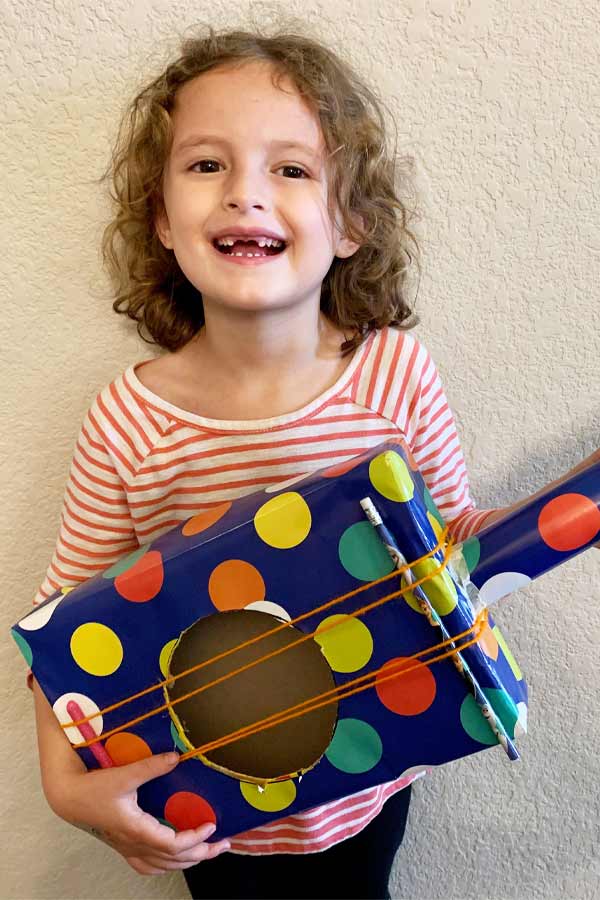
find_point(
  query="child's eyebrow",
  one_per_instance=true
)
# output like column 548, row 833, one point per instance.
column 197, row 139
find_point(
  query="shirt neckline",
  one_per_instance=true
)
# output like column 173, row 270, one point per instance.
column 247, row 425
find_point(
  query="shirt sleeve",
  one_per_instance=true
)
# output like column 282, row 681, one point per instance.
column 96, row 528
column 435, row 445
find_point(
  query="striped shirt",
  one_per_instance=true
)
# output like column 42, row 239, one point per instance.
column 141, row 465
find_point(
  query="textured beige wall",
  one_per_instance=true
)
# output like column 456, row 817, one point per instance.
column 499, row 103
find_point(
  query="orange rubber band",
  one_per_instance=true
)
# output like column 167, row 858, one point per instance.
column 342, row 692
column 266, row 634
column 274, row 653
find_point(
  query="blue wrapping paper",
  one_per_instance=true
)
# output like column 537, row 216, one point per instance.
column 532, row 540
column 298, row 545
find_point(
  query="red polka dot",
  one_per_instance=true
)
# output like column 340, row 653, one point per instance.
column 142, row 581
column 407, row 452
column 341, row 468
column 411, row 692
column 569, row 521
column 185, row 809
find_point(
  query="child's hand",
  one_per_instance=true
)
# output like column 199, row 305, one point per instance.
column 104, row 802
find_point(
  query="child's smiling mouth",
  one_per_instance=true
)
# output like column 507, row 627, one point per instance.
column 247, row 252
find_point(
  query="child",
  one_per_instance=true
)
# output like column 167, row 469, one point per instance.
column 264, row 245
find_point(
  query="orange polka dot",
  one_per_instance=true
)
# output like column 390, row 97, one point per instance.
column 205, row 519
column 488, row 643
column 234, row 584
column 347, row 466
column 569, row 521
column 124, row 748
column 411, row 692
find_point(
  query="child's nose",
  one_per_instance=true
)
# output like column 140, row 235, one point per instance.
column 246, row 190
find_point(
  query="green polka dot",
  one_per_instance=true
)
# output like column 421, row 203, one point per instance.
column 362, row 554
column 471, row 551
column 432, row 508
column 164, row 822
column 177, row 739
column 476, row 725
column 126, row 563
column 23, row 646
column 356, row 747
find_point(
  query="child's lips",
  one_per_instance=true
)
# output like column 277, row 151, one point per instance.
column 249, row 260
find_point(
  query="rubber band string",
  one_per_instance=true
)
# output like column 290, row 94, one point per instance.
column 338, row 693
column 335, row 695
column 277, row 628
column 363, row 610
column 342, row 692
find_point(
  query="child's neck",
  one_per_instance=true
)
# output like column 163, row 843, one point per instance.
column 261, row 354
column 247, row 377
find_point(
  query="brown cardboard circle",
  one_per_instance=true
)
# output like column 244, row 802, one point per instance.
column 272, row 686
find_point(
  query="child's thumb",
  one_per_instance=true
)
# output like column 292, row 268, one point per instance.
column 138, row 773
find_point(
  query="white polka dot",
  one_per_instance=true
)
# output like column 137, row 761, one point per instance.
column 40, row 616
column 521, row 726
column 273, row 609
column 501, row 585
column 88, row 708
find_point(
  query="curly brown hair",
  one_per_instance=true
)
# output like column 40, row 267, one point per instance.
column 359, row 294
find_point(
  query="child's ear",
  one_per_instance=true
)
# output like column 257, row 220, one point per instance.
column 346, row 247
column 161, row 223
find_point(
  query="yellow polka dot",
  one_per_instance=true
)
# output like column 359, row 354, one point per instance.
column 390, row 477
column 510, row 658
column 96, row 649
column 284, row 521
column 437, row 528
column 439, row 589
column 348, row 646
column 165, row 655
column 272, row 798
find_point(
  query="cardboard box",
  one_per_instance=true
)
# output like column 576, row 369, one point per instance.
column 225, row 577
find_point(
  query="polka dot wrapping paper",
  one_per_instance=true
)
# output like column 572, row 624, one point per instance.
column 106, row 652
column 533, row 540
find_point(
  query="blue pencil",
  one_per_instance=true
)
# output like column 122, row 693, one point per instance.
column 398, row 559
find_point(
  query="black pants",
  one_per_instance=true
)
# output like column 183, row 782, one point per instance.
column 358, row 867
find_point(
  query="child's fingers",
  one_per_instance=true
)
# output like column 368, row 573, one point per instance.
column 194, row 850
column 168, row 843
column 143, row 832
column 186, row 859
column 133, row 775
column 142, row 867
column 185, row 840
column 218, row 848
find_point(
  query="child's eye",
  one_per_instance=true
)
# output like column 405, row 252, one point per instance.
column 200, row 162
column 213, row 162
column 296, row 169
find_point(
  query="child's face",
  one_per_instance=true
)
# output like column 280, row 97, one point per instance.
column 247, row 184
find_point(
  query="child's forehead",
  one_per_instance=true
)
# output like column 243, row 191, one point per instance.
column 252, row 84
column 233, row 102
